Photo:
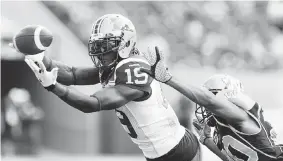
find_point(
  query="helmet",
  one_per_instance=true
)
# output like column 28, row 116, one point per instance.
column 111, row 34
column 215, row 84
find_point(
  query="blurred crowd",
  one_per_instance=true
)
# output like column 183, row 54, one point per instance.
column 243, row 35
column 21, row 126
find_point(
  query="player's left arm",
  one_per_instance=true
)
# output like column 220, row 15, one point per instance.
column 217, row 105
column 106, row 99
column 130, row 85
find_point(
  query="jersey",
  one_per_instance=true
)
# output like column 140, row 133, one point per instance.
column 150, row 121
column 245, row 147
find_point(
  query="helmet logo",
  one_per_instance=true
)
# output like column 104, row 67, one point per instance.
column 128, row 44
column 126, row 28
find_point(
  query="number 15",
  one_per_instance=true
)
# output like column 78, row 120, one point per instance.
column 141, row 78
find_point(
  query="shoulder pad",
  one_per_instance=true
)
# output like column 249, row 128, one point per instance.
column 127, row 72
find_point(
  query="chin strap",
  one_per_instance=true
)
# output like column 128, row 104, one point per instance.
column 105, row 75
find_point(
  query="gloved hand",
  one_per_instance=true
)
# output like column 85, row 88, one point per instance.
column 158, row 70
column 46, row 78
column 203, row 130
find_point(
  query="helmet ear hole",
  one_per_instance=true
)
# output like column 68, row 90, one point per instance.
column 214, row 93
column 128, row 43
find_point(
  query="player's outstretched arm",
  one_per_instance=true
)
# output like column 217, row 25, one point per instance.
column 220, row 106
column 68, row 75
column 217, row 105
column 107, row 99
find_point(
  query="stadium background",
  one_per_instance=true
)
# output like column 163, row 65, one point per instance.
column 243, row 39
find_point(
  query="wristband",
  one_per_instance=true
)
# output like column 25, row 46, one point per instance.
column 50, row 88
column 98, row 101
column 74, row 75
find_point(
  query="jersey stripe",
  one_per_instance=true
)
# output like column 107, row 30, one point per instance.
column 236, row 133
column 259, row 116
column 256, row 149
column 129, row 60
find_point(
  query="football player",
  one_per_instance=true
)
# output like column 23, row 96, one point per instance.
column 213, row 143
column 135, row 97
column 237, row 117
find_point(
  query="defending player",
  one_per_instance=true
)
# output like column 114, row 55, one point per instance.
column 134, row 96
column 240, row 125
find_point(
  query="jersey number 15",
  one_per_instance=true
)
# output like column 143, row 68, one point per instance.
column 134, row 76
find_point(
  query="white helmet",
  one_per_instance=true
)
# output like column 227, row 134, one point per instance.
column 215, row 84
column 219, row 82
column 112, row 33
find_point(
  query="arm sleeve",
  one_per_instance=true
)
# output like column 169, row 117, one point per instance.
column 76, row 99
column 128, row 73
column 68, row 75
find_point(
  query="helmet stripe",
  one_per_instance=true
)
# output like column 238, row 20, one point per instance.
column 98, row 26
column 95, row 27
column 101, row 24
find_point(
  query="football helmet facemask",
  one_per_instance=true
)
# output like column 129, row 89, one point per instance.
column 215, row 84
column 111, row 34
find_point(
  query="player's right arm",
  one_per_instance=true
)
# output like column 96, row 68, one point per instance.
column 220, row 106
column 68, row 75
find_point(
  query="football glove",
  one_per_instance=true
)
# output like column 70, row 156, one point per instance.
column 159, row 70
column 273, row 135
column 46, row 78
column 203, row 130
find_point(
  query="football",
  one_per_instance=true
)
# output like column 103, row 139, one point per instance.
column 32, row 39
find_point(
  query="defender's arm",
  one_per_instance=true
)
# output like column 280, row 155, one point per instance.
column 209, row 143
column 217, row 105
column 71, row 75
column 204, row 131
column 106, row 99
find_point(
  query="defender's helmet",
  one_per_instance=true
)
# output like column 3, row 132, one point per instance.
column 215, row 84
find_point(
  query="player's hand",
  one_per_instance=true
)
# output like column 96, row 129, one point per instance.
column 45, row 77
column 273, row 135
column 159, row 70
column 36, row 57
column 203, row 130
